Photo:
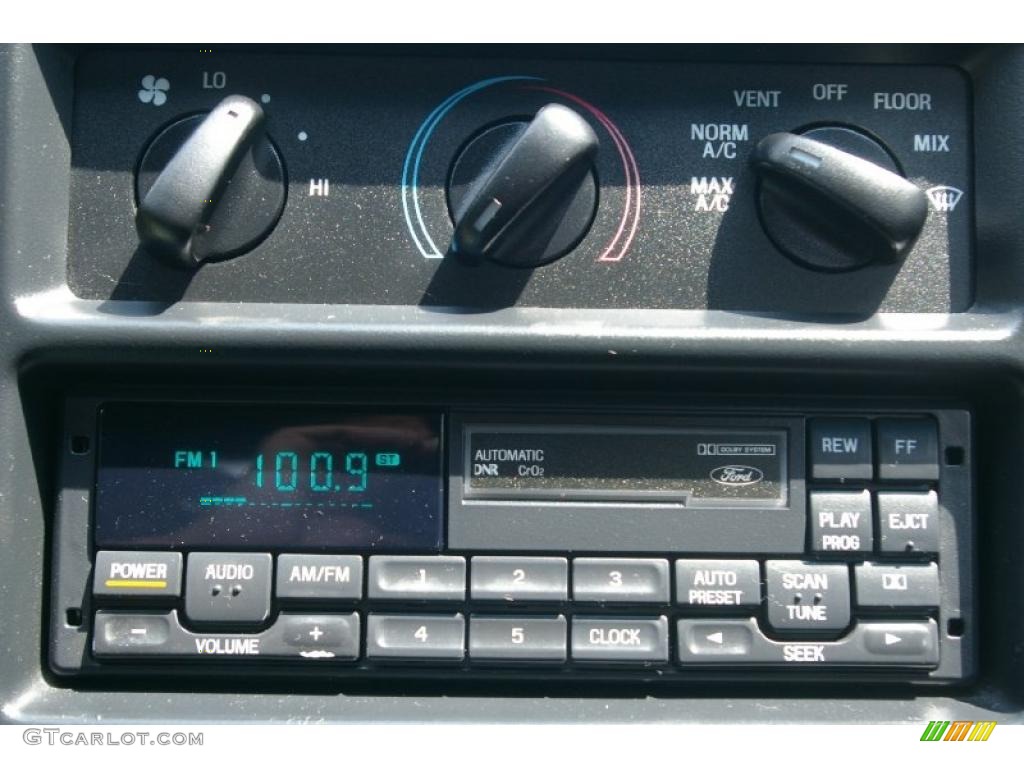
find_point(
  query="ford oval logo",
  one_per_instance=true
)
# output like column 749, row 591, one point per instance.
column 737, row 474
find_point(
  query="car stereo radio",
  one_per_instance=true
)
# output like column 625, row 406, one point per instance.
column 352, row 539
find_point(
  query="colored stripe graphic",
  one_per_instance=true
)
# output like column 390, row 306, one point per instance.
column 958, row 730
column 414, row 157
column 136, row 584
column 982, row 730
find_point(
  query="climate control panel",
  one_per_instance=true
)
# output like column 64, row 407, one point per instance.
column 381, row 181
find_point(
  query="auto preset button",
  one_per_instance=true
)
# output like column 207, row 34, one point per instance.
column 413, row 577
column 718, row 583
column 226, row 587
column 152, row 574
column 807, row 596
column 620, row 580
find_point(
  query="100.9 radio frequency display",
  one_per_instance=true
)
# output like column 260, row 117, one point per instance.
column 268, row 477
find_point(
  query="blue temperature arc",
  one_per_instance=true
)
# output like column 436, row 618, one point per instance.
column 414, row 156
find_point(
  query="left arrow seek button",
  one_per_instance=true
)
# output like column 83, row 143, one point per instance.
column 149, row 574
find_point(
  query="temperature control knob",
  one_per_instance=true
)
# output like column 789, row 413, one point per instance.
column 524, row 194
column 210, row 186
column 834, row 199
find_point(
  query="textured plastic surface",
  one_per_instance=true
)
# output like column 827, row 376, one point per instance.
column 52, row 339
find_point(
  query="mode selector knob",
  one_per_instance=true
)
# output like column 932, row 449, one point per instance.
column 210, row 186
column 834, row 199
column 524, row 193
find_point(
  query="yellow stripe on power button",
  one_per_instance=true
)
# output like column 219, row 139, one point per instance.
column 136, row 583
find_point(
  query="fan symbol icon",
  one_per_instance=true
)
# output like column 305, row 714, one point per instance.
column 154, row 90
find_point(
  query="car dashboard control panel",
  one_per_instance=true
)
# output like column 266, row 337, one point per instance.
column 444, row 182
column 362, row 540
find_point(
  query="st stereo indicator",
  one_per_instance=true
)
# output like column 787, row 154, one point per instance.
column 691, row 466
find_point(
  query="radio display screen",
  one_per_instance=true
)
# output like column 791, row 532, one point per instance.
column 269, row 477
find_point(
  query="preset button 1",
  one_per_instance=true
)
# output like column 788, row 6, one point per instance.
column 411, row 577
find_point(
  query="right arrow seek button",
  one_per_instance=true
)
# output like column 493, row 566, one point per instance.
column 899, row 639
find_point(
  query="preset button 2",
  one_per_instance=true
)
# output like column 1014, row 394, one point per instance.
column 519, row 578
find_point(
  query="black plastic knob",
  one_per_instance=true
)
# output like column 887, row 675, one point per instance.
column 524, row 193
column 833, row 199
column 210, row 186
